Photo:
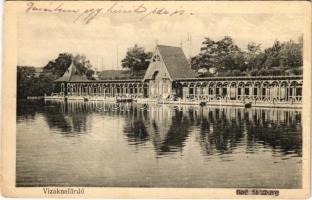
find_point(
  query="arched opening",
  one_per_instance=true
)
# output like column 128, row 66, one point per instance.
column 240, row 90
column 248, row 90
column 256, row 90
column 232, row 92
column 219, row 89
column 274, row 91
column 192, row 90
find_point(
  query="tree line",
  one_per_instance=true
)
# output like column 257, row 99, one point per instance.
column 225, row 58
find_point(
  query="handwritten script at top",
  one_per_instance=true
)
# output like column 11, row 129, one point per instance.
column 86, row 15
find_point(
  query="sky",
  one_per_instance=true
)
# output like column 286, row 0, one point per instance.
column 105, row 40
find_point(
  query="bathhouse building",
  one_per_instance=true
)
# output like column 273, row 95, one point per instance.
column 169, row 78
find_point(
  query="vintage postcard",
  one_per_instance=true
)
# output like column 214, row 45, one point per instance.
column 156, row 99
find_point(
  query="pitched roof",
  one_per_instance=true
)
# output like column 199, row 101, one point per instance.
column 176, row 62
column 72, row 74
column 119, row 75
column 151, row 70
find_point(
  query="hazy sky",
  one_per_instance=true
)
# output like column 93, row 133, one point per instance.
column 42, row 36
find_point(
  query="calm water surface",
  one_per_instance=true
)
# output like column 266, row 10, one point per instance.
column 106, row 144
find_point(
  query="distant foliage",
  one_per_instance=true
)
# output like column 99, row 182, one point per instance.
column 223, row 55
column 84, row 65
column 30, row 84
column 229, row 60
column 136, row 59
column 58, row 66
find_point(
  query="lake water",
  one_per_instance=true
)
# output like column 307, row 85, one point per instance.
column 133, row 145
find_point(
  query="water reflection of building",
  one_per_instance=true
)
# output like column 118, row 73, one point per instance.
column 173, row 131
column 222, row 130
column 280, row 129
column 167, row 128
column 67, row 117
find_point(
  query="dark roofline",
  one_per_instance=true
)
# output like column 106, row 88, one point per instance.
column 167, row 46
column 296, row 77
column 107, row 81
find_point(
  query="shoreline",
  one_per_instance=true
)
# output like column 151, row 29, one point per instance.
column 198, row 102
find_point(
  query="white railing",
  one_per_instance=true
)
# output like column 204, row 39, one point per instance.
column 242, row 98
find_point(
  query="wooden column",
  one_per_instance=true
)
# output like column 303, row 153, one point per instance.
column 122, row 89
column 105, row 90
column 279, row 91
column 114, row 90
column 243, row 91
column 236, row 91
column 89, row 89
column 228, row 90
column 261, row 90
column 214, row 91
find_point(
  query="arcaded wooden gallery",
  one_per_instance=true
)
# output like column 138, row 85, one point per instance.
column 169, row 77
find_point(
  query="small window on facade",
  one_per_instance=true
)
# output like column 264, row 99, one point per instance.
column 156, row 58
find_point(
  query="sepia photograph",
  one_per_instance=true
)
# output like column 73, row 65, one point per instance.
column 185, row 95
